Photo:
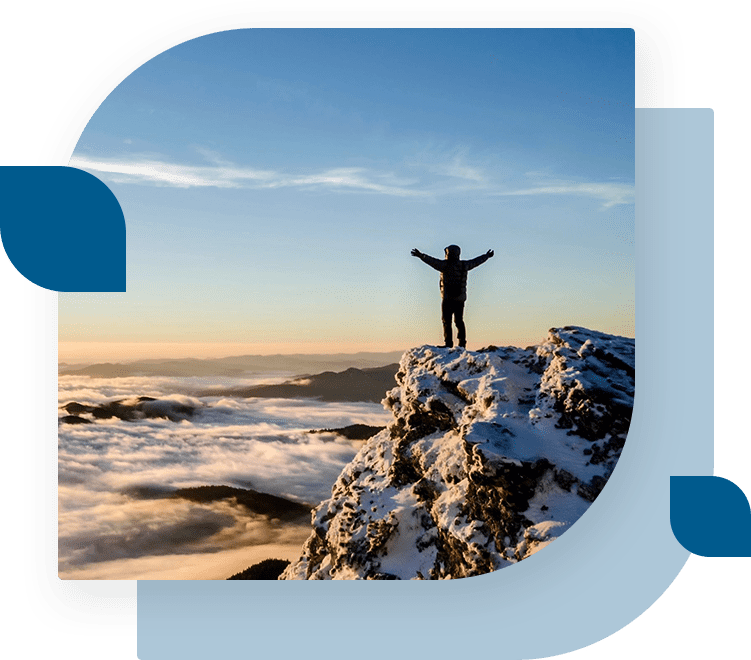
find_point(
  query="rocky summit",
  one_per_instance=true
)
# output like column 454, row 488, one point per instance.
column 491, row 456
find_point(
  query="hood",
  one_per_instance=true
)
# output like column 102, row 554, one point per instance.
column 453, row 252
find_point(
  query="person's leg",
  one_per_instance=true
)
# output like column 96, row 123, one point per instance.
column 446, row 313
column 459, row 319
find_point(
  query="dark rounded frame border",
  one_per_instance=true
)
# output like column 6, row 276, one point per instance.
column 108, row 607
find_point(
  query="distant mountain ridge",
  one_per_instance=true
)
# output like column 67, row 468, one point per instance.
column 234, row 366
column 352, row 384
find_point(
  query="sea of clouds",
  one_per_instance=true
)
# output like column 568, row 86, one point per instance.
column 115, row 523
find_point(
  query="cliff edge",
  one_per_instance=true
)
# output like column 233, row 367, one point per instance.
column 491, row 456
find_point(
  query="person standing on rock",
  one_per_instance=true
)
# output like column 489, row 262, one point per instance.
column 453, row 288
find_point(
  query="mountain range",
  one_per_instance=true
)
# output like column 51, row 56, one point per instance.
column 349, row 385
column 233, row 366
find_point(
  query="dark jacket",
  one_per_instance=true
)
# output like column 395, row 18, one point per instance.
column 453, row 273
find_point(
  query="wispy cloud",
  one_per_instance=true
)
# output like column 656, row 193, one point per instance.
column 451, row 170
column 160, row 172
column 353, row 178
column 434, row 178
column 611, row 194
column 458, row 168
column 223, row 174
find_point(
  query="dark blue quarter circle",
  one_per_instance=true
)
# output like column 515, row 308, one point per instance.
column 710, row 516
column 62, row 228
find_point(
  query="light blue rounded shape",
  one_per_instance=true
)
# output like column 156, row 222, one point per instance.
column 600, row 575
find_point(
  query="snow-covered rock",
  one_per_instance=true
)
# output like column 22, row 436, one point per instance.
column 491, row 456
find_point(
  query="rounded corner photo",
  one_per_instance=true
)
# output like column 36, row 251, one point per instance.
column 379, row 317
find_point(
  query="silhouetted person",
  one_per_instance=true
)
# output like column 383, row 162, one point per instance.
column 453, row 288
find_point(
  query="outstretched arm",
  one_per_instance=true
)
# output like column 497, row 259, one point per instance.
column 431, row 261
column 477, row 261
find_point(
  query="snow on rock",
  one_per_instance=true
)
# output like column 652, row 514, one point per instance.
column 491, row 456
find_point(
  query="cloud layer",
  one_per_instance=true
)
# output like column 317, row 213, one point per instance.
column 112, row 520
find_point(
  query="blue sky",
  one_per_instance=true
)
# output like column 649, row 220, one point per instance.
column 274, row 181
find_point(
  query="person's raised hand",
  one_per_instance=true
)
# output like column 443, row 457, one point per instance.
column 490, row 253
column 415, row 252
